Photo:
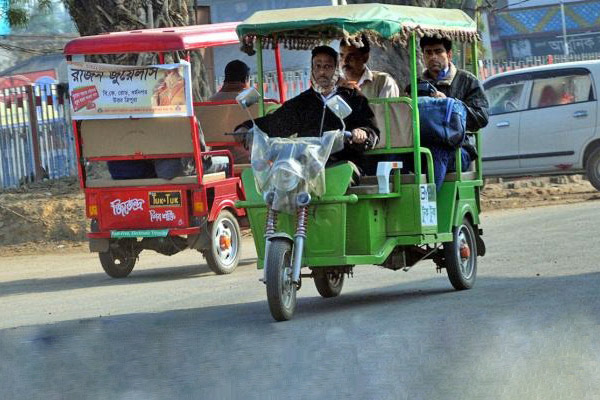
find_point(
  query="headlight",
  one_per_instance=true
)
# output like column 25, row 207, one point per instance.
column 285, row 175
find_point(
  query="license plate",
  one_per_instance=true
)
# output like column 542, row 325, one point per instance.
column 165, row 199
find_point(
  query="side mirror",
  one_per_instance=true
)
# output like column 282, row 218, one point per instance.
column 339, row 107
column 248, row 97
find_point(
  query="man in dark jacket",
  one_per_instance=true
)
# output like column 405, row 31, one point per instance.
column 307, row 115
column 462, row 85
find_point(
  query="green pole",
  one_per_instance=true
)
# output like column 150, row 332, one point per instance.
column 474, row 61
column 415, row 107
column 259, row 73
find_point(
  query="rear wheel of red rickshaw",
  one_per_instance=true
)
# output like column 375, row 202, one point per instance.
column 223, row 255
column 117, row 262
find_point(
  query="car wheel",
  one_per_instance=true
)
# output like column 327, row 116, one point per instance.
column 592, row 168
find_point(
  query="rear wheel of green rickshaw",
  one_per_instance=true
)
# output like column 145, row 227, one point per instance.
column 281, row 291
column 461, row 257
column 329, row 281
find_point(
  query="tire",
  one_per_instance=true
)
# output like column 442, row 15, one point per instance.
column 329, row 282
column 592, row 168
column 117, row 262
column 223, row 255
column 460, row 257
column 281, row 291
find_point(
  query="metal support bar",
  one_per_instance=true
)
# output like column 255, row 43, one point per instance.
column 33, row 123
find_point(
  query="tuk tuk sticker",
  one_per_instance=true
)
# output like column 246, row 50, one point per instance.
column 428, row 205
column 165, row 199
column 106, row 91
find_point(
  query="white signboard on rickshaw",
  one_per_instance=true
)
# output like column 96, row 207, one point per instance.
column 105, row 91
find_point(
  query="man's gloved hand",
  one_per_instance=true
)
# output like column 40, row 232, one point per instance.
column 358, row 136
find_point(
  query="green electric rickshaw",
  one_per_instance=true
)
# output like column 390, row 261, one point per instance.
column 309, row 221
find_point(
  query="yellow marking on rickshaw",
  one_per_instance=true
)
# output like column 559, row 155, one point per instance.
column 165, row 199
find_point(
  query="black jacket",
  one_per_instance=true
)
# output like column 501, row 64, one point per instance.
column 303, row 114
column 464, row 86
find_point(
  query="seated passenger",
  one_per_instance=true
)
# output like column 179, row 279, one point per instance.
column 449, row 81
column 237, row 78
column 306, row 114
column 548, row 97
column 372, row 84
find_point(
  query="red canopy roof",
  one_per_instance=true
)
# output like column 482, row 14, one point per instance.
column 155, row 40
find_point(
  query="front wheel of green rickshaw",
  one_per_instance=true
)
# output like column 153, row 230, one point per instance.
column 461, row 257
column 281, row 291
column 329, row 282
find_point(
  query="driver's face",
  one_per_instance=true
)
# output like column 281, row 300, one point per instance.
column 323, row 69
column 436, row 58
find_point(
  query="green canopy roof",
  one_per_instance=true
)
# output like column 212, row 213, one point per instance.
column 303, row 28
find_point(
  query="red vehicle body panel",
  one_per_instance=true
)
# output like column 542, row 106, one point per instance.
column 141, row 207
column 155, row 40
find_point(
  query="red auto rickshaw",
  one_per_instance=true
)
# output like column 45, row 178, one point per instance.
column 133, row 123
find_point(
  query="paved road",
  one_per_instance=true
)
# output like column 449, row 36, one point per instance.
column 528, row 330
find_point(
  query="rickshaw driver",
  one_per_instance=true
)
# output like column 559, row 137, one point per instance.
column 450, row 81
column 237, row 78
column 307, row 115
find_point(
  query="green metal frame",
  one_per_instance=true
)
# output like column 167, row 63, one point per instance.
column 381, row 222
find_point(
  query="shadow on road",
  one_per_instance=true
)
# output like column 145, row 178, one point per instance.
column 413, row 339
column 84, row 281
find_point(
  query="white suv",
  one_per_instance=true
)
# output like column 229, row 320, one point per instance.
column 544, row 121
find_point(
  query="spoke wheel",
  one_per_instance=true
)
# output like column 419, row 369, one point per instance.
column 461, row 257
column 281, row 291
column 223, row 255
column 117, row 262
column 329, row 282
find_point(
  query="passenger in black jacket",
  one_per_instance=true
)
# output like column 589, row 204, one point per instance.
column 450, row 81
column 307, row 115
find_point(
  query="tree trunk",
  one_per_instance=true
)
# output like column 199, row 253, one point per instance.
column 93, row 17
column 396, row 62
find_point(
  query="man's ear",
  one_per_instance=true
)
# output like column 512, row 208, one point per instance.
column 449, row 55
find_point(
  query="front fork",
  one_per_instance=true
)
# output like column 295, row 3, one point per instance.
column 302, row 202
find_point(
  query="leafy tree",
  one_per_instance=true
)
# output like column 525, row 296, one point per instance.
column 18, row 12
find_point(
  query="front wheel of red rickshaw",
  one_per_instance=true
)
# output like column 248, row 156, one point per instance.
column 281, row 290
column 223, row 255
column 461, row 257
column 117, row 262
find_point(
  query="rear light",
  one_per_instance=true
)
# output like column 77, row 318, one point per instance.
column 199, row 207
column 91, row 205
column 199, row 203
